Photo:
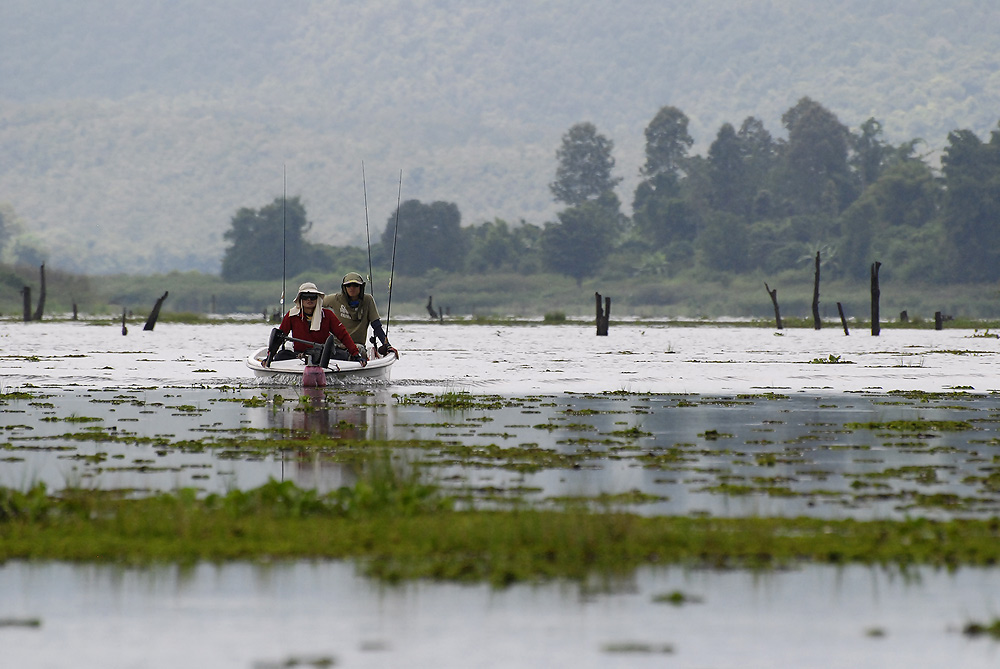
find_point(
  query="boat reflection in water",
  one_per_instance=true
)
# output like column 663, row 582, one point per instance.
column 303, row 413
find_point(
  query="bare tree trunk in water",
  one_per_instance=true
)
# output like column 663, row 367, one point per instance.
column 41, row 297
column 602, row 316
column 876, row 293
column 817, row 324
column 774, row 301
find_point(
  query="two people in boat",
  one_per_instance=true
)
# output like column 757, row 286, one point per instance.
column 356, row 309
column 345, row 315
column 308, row 320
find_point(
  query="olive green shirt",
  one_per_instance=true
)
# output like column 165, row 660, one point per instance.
column 355, row 319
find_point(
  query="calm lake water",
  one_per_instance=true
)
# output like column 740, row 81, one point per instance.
column 754, row 422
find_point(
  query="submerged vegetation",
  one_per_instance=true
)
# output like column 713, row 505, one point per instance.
column 398, row 530
column 458, row 498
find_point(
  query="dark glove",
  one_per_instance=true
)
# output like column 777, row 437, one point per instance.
column 360, row 358
column 387, row 348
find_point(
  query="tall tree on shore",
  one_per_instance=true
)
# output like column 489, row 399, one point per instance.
column 972, row 204
column 667, row 143
column 658, row 208
column 267, row 241
column 815, row 159
column 429, row 237
column 584, row 166
column 581, row 240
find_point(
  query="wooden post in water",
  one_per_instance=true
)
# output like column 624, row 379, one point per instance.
column 843, row 320
column 41, row 296
column 124, row 327
column 817, row 324
column 155, row 313
column 876, row 293
column 938, row 321
column 26, row 295
column 774, row 301
column 75, row 311
column 603, row 316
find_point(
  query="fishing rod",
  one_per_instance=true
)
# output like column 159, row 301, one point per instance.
column 284, row 197
column 392, row 265
column 368, row 237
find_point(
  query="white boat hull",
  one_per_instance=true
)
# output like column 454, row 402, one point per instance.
column 339, row 371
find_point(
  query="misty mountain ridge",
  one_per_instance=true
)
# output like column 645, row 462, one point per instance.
column 132, row 133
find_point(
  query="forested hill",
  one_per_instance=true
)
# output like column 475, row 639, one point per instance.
column 131, row 132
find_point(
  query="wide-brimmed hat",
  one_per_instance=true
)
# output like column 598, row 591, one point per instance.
column 309, row 288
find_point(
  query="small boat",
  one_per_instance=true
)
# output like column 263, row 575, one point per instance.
column 295, row 371
column 318, row 367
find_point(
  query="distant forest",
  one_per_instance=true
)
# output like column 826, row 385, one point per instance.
column 132, row 132
column 751, row 204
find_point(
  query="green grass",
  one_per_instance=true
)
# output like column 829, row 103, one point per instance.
column 398, row 528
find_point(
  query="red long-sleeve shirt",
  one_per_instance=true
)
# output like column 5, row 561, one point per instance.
column 298, row 325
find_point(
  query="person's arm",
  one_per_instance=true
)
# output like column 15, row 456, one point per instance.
column 340, row 332
column 382, row 337
column 379, row 331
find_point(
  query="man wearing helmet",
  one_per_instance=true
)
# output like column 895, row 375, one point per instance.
column 356, row 310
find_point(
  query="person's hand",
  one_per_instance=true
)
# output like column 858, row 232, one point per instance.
column 359, row 358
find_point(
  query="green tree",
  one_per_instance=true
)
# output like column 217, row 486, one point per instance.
column 972, row 204
column 429, row 237
column 815, row 159
column 870, row 152
column 760, row 153
column 585, row 165
column 579, row 243
column 727, row 171
column 667, row 143
column 494, row 246
column 723, row 242
column 662, row 216
column 266, row 242
column 661, row 211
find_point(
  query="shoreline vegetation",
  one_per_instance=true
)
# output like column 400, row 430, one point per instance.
column 400, row 530
column 510, row 298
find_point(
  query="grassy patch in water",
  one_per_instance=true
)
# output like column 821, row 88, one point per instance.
column 913, row 426
column 398, row 528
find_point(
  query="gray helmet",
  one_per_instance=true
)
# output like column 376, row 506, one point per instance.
column 355, row 278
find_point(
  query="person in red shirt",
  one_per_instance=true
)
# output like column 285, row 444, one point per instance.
column 309, row 321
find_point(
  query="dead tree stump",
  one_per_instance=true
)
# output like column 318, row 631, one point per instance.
column 774, row 301
column 602, row 315
column 817, row 323
column 155, row 313
column 41, row 296
column 843, row 319
column 938, row 321
column 876, row 293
